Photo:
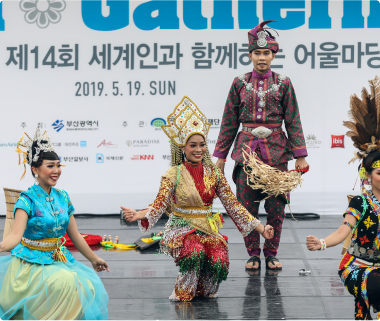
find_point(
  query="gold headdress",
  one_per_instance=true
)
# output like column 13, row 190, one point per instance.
column 40, row 143
column 364, row 124
column 185, row 121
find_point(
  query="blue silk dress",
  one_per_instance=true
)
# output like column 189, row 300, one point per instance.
column 35, row 286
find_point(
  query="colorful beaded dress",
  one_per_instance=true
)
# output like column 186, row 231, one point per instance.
column 362, row 258
column 187, row 191
column 359, row 268
column 41, row 280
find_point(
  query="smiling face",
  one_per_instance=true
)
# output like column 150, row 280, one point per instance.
column 195, row 148
column 48, row 173
column 262, row 59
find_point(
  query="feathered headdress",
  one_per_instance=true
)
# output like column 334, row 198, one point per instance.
column 364, row 124
column 40, row 143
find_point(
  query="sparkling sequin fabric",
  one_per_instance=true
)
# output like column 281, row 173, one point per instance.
column 200, row 253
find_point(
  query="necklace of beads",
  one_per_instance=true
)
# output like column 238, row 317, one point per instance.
column 261, row 93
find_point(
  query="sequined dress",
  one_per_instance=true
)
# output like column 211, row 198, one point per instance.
column 200, row 251
column 359, row 268
column 35, row 286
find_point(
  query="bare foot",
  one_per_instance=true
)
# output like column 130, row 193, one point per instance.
column 250, row 265
column 276, row 264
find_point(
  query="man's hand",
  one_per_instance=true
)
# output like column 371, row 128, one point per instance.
column 221, row 163
column 301, row 163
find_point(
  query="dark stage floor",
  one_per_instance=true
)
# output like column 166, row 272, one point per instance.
column 139, row 284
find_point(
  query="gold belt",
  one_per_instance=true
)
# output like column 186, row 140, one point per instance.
column 53, row 244
column 214, row 221
column 193, row 212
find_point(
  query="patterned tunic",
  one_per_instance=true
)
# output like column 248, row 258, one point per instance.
column 242, row 106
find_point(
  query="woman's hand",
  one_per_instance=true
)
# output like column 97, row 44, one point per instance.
column 221, row 164
column 313, row 243
column 99, row 265
column 268, row 232
column 130, row 214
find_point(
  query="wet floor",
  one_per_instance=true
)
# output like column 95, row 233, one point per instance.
column 139, row 284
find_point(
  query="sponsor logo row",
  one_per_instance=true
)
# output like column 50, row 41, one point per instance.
column 311, row 142
column 88, row 125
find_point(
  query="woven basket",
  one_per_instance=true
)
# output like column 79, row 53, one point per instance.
column 347, row 241
column 11, row 197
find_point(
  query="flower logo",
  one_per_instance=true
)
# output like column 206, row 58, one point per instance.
column 42, row 12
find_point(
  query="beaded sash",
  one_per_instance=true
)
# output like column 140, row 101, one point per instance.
column 53, row 244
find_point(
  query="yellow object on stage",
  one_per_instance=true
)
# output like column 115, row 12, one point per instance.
column 147, row 240
column 111, row 245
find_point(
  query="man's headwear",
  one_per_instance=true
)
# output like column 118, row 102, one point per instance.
column 260, row 38
column 185, row 121
column 34, row 147
column 364, row 124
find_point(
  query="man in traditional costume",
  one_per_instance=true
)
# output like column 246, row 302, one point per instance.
column 188, row 188
column 261, row 100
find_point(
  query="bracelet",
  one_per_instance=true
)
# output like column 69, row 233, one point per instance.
column 348, row 224
column 323, row 245
column 263, row 231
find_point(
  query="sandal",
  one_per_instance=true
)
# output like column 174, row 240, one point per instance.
column 254, row 259
column 272, row 259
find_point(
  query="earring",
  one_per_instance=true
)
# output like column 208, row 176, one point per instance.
column 36, row 181
column 370, row 186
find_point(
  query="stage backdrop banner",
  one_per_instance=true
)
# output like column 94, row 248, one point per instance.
column 101, row 77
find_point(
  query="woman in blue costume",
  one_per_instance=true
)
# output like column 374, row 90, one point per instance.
column 41, row 280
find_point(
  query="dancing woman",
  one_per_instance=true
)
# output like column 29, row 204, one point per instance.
column 359, row 268
column 41, row 280
column 187, row 191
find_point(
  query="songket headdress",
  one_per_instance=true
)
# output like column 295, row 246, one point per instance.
column 260, row 38
column 34, row 147
column 185, row 121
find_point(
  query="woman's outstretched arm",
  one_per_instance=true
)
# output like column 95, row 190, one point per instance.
column 82, row 246
column 148, row 217
column 14, row 238
column 244, row 221
column 313, row 243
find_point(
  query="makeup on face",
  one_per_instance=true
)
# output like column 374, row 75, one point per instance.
column 195, row 148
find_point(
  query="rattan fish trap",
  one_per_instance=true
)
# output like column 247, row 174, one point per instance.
column 11, row 197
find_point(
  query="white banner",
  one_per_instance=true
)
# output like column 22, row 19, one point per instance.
column 101, row 77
